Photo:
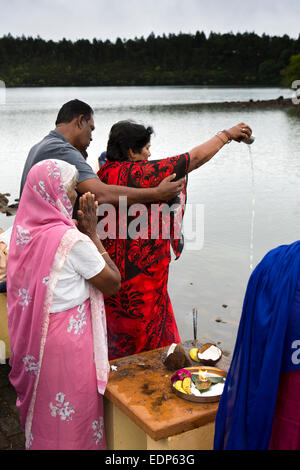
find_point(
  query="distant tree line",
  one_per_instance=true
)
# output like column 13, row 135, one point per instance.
column 182, row 59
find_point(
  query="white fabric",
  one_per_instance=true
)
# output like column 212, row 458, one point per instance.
column 68, row 173
column 83, row 262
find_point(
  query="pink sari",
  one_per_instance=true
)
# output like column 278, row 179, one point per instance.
column 59, row 361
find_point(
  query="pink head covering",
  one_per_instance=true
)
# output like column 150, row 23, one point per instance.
column 42, row 236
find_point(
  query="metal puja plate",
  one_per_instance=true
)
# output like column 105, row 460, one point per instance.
column 203, row 398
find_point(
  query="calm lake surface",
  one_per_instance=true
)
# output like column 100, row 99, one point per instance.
column 212, row 278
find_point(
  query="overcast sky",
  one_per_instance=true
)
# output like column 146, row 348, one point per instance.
column 109, row 19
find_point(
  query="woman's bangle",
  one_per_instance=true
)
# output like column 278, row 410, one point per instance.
column 228, row 135
column 218, row 134
column 219, row 137
column 104, row 253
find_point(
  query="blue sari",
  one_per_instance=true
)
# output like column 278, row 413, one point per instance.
column 268, row 343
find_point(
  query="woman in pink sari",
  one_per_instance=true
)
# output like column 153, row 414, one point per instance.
column 56, row 279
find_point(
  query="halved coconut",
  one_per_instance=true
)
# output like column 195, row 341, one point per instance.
column 209, row 354
column 176, row 357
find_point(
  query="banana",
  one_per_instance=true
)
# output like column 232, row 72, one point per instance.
column 178, row 386
column 186, row 385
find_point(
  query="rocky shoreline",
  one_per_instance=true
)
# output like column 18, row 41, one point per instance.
column 279, row 102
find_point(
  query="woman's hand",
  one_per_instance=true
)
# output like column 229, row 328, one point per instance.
column 240, row 132
column 87, row 215
column 108, row 281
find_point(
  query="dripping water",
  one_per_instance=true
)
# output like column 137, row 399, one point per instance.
column 252, row 210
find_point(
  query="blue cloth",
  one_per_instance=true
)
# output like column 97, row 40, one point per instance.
column 268, row 343
column 102, row 158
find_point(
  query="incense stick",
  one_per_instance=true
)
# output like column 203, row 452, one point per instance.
column 195, row 315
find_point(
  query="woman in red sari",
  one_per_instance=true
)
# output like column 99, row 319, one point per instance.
column 140, row 316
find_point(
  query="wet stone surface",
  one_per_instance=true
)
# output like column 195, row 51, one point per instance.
column 11, row 433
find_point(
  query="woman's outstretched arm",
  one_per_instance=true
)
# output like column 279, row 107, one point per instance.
column 204, row 152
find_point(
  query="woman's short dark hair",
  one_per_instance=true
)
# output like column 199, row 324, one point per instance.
column 125, row 135
column 72, row 109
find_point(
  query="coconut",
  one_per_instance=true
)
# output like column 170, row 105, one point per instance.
column 209, row 354
column 177, row 357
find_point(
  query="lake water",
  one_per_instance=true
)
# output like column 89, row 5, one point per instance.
column 212, row 278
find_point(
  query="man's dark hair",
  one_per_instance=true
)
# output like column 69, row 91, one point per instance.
column 72, row 109
column 125, row 135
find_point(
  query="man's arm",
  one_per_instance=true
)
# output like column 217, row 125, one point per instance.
column 110, row 194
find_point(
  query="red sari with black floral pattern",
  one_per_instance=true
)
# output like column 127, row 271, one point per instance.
column 140, row 316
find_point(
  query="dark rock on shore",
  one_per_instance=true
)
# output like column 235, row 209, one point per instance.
column 5, row 208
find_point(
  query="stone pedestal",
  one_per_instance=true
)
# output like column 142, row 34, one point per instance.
column 143, row 413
